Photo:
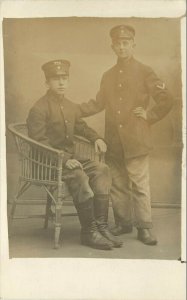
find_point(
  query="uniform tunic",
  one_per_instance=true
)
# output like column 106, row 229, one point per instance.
column 123, row 88
column 54, row 121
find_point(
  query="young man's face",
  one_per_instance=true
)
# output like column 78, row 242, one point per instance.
column 58, row 84
column 123, row 48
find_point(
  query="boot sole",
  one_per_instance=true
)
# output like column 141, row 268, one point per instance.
column 151, row 243
column 96, row 246
column 118, row 245
column 115, row 244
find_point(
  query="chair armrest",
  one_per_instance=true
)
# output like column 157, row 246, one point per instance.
column 79, row 138
column 31, row 141
column 85, row 149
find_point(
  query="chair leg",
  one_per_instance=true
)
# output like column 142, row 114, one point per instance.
column 48, row 207
column 57, row 236
column 11, row 217
column 21, row 189
column 57, row 227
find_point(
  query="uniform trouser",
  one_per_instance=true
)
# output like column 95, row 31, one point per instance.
column 93, row 180
column 130, row 192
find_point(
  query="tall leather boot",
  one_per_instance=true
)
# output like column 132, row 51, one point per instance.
column 101, row 207
column 90, row 235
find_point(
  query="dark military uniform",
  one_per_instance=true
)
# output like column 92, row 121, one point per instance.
column 54, row 121
column 124, row 87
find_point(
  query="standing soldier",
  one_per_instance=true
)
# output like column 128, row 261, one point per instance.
column 53, row 120
column 125, row 93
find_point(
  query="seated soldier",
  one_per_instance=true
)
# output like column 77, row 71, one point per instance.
column 53, row 120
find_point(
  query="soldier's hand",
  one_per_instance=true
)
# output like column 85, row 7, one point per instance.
column 100, row 146
column 73, row 164
column 140, row 112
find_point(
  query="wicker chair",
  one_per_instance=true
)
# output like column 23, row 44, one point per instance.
column 41, row 165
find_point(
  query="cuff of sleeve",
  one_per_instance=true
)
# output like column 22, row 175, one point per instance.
column 67, row 156
column 98, row 138
column 151, row 117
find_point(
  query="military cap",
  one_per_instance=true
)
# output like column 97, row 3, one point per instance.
column 122, row 31
column 56, row 67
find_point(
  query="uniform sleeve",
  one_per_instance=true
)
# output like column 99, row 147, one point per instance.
column 82, row 129
column 36, row 123
column 161, row 96
column 94, row 106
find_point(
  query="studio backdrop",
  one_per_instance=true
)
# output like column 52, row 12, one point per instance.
column 85, row 42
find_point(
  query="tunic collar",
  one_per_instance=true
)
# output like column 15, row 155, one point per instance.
column 123, row 64
column 55, row 97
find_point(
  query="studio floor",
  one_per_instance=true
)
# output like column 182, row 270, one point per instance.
column 29, row 239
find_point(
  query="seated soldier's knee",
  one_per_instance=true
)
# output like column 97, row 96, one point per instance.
column 80, row 175
column 102, row 181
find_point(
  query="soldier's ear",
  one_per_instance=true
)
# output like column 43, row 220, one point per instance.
column 112, row 46
column 134, row 45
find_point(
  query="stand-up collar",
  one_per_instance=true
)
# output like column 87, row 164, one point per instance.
column 55, row 97
column 123, row 64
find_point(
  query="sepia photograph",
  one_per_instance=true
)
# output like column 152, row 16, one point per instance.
column 94, row 137
column 93, row 150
